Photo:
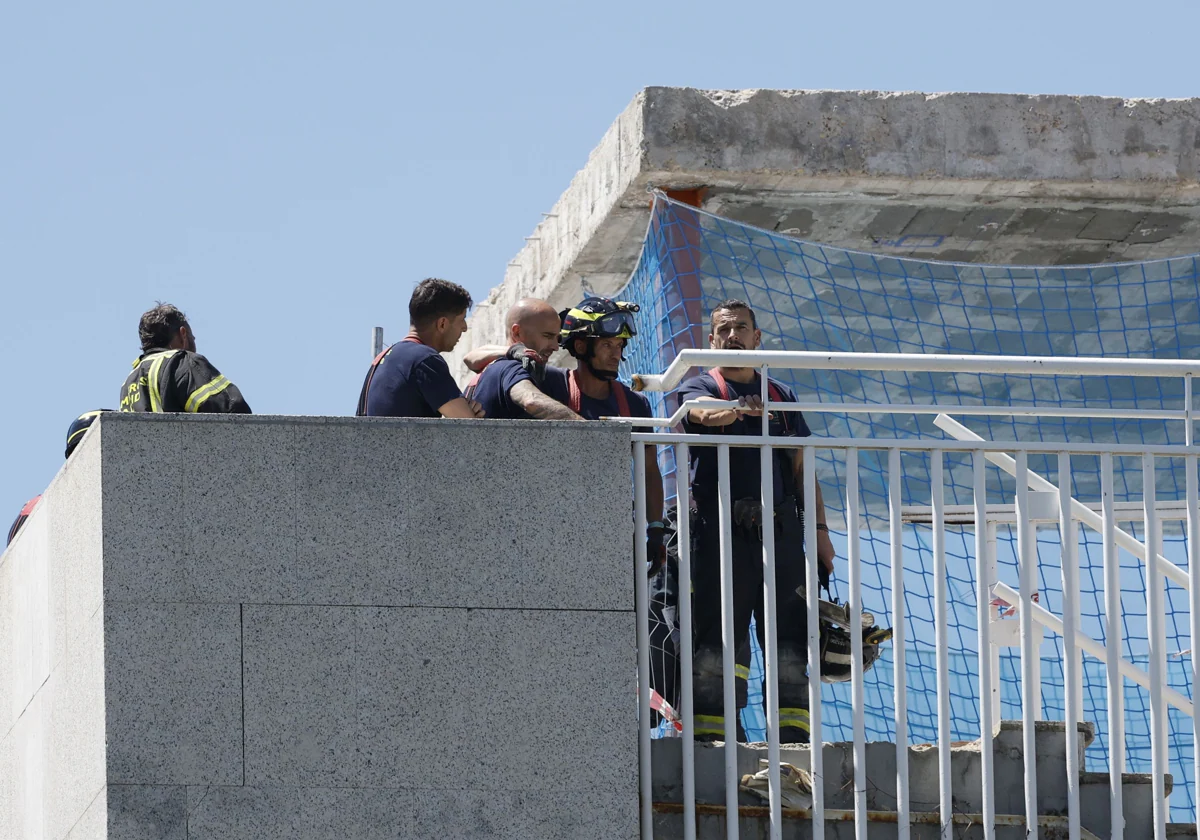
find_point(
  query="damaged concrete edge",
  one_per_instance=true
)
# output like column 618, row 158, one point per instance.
column 866, row 146
column 546, row 266
column 1005, row 137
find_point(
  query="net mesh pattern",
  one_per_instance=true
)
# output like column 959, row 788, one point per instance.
column 813, row 297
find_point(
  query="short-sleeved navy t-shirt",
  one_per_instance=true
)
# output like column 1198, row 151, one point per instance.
column 556, row 385
column 495, row 383
column 412, row 380
column 743, row 461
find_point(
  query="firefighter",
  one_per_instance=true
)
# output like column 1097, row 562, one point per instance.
column 75, row 433
column 596, row 332
column 509, row 386
column 733, row 327
column 410, row 378
column 170, row 376
column 533, row 326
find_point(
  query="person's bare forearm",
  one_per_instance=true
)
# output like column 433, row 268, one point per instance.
column 480, row 357
column 819, row 508
column 460, row 408
column 712, row 416
column 539, row 406
column 750, row 406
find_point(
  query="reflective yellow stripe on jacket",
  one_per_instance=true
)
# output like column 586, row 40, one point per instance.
column 794, row 717
column 156, row 363
column 202, row 393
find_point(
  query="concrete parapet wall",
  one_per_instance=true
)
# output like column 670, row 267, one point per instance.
column 52, row 711
column 303, row 627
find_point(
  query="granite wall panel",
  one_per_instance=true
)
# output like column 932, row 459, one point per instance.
column 173, row 693
column 322, row 628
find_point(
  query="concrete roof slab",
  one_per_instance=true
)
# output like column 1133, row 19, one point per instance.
column 1111, row 225
column 995, row 177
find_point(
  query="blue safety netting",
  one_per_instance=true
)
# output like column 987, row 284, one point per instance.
column 814, row 297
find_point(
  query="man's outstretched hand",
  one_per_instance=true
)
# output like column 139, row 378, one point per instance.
column 530, row 361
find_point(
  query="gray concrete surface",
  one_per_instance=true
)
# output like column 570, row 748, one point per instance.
column 924, row 772
column 970, row 177
column 316, row 628
column 52, row 710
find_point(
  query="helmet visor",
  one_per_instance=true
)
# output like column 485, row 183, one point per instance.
column 615, row 325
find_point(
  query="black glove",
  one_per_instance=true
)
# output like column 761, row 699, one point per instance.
column 530, row 361
column 748, row 516
column 656, row 550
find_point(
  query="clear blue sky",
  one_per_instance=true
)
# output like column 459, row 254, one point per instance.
column 284, row 172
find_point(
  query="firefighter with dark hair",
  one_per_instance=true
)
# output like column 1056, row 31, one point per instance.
column 170, row 376
column 75, row 433
column 596, row 332
column 733, row 327
column 410, row 378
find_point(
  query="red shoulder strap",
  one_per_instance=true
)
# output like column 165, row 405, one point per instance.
column 575, row 396
column 773, row 389
column 722, row 385
column 777, row 395
column 622, row 398
column 361, row 411
column 472, row 384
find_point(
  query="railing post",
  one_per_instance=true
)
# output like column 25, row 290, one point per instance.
column 1193, row 549
column 1189, row 427
column 857, row 700
column 985, row 535
column 642, row 616
column 898, row 613
column 1112, row 638
column 1031, row 689
column 992, row 574
column 1157, row 641
column 812, row 587
column 728, row 636
column 941, row 619
column 687, row 712
column 1072, row 657
column 770, row 616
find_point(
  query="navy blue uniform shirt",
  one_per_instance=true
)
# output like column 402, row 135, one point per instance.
column 412, row 380
column 557, row 385
column 743, row 461
column 495, row 384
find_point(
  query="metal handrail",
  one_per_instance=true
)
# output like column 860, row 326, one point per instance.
column 1032, row 616
column 913, row 363
column 914, row 408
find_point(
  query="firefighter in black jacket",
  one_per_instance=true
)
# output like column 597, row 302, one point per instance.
column 170, row 376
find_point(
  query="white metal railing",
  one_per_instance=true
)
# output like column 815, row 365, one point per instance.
column 1038, row 501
